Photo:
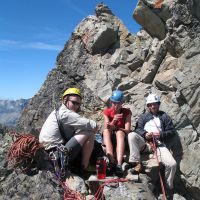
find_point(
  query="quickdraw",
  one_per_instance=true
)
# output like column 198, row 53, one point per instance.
column 64, row 157
column 59, row 159
column 54, row 158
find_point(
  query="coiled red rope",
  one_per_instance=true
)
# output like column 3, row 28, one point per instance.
column 22, row 151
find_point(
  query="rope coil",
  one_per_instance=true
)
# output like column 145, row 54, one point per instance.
column 22, row 152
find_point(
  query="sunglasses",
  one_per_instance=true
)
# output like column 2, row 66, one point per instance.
column 75, row 103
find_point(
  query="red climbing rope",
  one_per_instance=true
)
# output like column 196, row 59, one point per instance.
column 71, row 194
column 22, row 152
column 99, row 193
column 161, row 181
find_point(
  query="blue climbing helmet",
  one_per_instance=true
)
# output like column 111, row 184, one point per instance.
column 117, row 96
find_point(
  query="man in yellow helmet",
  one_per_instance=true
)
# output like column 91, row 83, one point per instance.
column 65, row 126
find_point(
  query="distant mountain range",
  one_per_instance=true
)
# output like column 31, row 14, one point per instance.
column 10, row 111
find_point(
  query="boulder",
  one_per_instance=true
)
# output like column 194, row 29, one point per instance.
column 149, row 20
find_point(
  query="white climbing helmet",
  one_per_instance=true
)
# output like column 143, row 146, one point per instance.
column 152, row 98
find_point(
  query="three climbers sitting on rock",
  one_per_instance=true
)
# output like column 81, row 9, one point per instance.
column 79, row 133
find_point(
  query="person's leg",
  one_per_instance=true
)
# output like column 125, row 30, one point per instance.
column 77, row 142
column 170, row 165
column 136, row 143
column 87, row 150
column 108, row 143
column 73, row 147
column 120, row 146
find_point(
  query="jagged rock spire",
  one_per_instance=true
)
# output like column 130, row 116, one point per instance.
column 102, row 9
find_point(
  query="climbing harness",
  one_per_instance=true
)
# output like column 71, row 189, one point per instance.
column 59, row 158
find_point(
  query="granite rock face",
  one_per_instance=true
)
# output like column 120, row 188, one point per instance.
column 103, row 55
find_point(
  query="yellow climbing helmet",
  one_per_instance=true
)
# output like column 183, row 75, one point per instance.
column 72, row 91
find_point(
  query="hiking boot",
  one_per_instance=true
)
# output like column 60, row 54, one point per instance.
column 118, row 170
column 126, row 166
column 169, row 193
column 110, row 168
column 137, row 168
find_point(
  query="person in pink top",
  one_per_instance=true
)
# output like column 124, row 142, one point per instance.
column 117, row 123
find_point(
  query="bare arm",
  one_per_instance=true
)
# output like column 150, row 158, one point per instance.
column 127, row 127
column 107, row 124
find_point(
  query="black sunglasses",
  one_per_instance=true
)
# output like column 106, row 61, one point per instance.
column 75, row 103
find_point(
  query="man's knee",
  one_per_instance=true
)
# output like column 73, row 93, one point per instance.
column 84, row 136
column 173, row 164
column 132, row 136
column 86, row 133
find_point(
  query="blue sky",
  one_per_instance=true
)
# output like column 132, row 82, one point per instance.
column 32, row 34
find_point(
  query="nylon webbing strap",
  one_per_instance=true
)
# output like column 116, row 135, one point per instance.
column 60, row 125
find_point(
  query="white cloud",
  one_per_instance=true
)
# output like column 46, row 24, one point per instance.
column 44, row 46
column 13, row 44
